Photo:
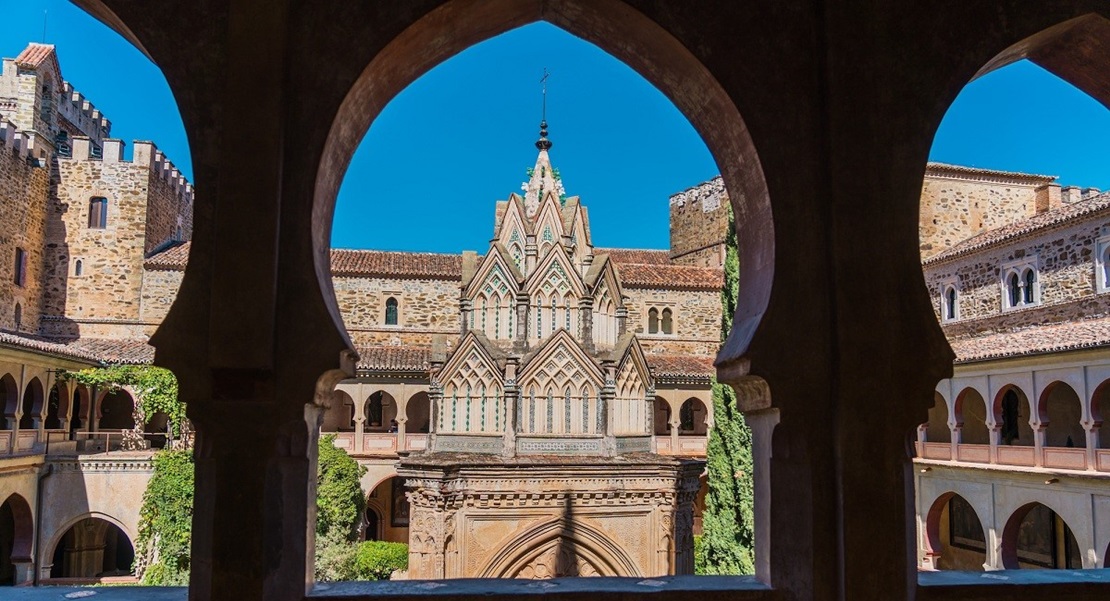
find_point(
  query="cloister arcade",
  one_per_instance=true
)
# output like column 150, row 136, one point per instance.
column 39, row 409
column 1036, row 418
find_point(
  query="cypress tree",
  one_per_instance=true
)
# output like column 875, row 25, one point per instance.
column 727, row 543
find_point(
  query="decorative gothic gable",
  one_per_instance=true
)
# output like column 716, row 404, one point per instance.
column 549, row 225
column 492, row 294
column 472, row 390
column 512, row 231
column 631, row 414
column 560, row 387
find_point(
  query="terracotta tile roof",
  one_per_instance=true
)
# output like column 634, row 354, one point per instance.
column 131, row 351
column 636, row 255
column 1034, row 340
column 34, row 55
column 941, row 169
column 375, row 262
column 93, row 350
column 393, row 358
column 1066, row 214
column 173, row 258
column 670, row 276
column 43, row 345
column 681, row 366
column 345, row 262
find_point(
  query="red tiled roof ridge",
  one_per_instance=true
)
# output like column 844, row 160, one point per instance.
column 1060, row 216
column 1034, row 340
column 34, row 54
column 935, row 166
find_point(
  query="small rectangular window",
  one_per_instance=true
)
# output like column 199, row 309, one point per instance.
column 20, row 267
column 98, row 213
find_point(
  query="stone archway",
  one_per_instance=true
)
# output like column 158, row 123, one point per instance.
column 557, row 548
column 9, row 401
column 1035, row 536
column 32, row 405
column 16, row 539
column 90, row 548
column 954, row 535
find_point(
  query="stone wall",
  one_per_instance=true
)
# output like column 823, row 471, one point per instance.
column 425, row 307
column 1066, row 265
column 24, row 187
column 158, row 293
column 145, row 197
column 699, row 220
column 958, row 203
column 696, row 314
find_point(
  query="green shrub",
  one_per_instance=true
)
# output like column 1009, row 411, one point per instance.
column 335, row 557
column 376, row 560
column 699, row 555
column 166, row 521
column 339, row 497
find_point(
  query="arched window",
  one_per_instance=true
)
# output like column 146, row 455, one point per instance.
column 950, row 303
column 653, row 321
column 1030, row 280
column 1105, row 269
column 1011, row 413
column 686, row 416
column 78, row 267
column 1014, row 290
column 98, row 213
column 391, row 311
column 667, row 322
column 374, row 410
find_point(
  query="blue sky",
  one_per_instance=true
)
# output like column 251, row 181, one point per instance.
column 461, row 137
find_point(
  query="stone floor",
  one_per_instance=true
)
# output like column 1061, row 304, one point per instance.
column 1007, row 584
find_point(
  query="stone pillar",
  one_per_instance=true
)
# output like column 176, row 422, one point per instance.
column 465, row 308
column 995, row 434
column 531, row 253
column 512, row 397
column 1039, row 434
column 586, row 323
column 605, row 408
column 520, row 339
column 622, row 320
column 1090, row 430
column 957, row 438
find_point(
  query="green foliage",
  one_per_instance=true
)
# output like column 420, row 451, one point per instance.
column 699, row 555
column 166, row 521
column 335, row 557
column 339, row 498
column 155, row 388
column 376, row 560
column 728, row 539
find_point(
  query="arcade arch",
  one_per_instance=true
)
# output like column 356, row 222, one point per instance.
column 1035, row 536
column 31, row 407
column 971, row 416
column 1100, row 413
column 340, row 416
column 418, row 413
column 116, row 411
column 380, row 410
column 662, row 416
column 16, row 539
column 693, row 418
column 1012, row 413
column 937, row 428
column 9, row 395
column 1061, row 412
column 90, row 548
column 954, row 535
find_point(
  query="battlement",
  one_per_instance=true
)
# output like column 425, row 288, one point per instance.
column 144, row 153
column 22, row 143
column 80, row 112
column 709, row 194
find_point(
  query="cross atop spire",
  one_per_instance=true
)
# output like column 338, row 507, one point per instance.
column 543, row 143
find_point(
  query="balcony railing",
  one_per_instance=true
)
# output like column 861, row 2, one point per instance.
column 1056, row 458
column 386, row 444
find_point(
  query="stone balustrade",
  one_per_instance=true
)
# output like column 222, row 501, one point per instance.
column 1051, row 458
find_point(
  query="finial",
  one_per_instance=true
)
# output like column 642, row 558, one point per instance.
column 543, row 143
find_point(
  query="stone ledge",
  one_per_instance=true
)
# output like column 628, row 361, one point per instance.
column 693, row 588
column 1059, row 585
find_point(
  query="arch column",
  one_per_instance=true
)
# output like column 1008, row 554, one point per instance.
column 1039, row 435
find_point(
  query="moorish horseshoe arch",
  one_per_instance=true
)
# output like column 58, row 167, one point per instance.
column 589, row 543
column 615, row 27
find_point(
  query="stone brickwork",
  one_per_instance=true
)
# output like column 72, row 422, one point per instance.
column 424, row 306
column 960, row 202
column 145, row 196
column 24, row 185
column 699, row 221
column 1065, row 260
column 696, row 314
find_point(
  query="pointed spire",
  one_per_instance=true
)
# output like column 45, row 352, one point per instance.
column 543, row 179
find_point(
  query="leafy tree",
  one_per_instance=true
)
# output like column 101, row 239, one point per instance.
column 340, row 502
column 728, row 535
column 166, row 521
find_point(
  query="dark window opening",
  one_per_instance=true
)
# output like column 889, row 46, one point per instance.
column 653, row 321
column 667, row 322
column 20, row 276
column 1030, row 278
column 98, row 213
column 391, row 312
column 1011, row 413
